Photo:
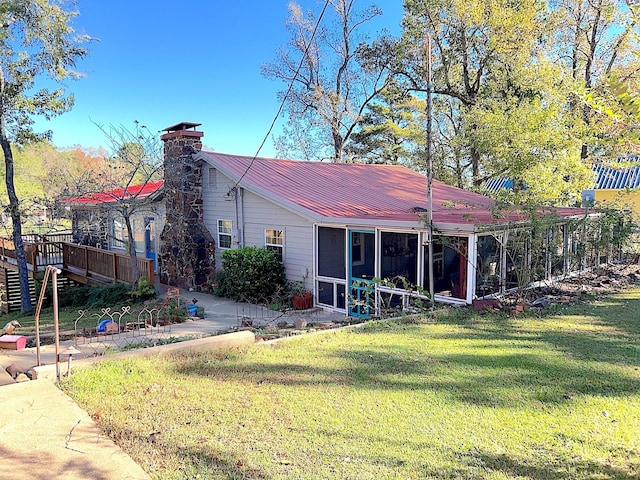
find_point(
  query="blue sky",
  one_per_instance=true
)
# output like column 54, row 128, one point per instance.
column 164, row 62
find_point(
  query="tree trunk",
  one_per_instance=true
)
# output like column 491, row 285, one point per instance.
column 14, row 210
column 475, row 167
column 135, row 273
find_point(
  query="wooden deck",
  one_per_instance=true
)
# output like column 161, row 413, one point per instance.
column 79, row 263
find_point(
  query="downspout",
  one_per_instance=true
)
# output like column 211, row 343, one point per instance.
column 237, row 197
column 241, row 232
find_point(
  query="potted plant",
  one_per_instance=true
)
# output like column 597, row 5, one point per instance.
column 302, row 299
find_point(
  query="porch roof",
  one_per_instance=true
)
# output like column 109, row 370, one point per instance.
column 139, row 191
column 339, row 192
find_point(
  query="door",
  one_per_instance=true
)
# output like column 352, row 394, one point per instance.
column 362, row 254
column 150, row 240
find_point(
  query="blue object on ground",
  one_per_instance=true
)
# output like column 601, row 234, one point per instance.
column 102, row 326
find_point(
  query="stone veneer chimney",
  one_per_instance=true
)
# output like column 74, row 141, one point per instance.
column 187, row 248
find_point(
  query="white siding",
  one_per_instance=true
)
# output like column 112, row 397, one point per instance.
column 217, row 205
column 250, row 216
column 155, row 210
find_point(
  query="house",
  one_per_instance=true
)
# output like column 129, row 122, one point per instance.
column 339, row 228
column 618, row 184
column 356, row 235
column 96, row 220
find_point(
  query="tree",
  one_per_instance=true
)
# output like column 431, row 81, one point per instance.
column 617, row 100
column 333, row 75
column 44, row 175
column 597, row 39
column 36, row 40
column 481, row 49
column 391, row 130
column 137, row 162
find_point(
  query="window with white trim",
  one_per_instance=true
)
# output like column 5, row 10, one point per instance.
column 225, row 233
column 212, row 178
column 119, row 233
column 274, row 241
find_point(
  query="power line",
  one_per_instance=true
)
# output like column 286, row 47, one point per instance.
column 286, row 95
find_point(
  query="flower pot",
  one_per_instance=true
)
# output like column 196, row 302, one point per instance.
column 302, row 300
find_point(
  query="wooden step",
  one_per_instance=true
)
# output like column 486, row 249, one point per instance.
column 10, row 289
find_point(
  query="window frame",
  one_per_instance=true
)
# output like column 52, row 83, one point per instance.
column 275, row 247
column 118, row 233
column 225, row 234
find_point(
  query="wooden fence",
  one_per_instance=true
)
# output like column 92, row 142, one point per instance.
column 103, row 265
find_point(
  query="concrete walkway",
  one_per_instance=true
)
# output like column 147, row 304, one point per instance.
column 46, row 435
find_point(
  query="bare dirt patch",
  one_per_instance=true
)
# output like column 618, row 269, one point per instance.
column 605, row 280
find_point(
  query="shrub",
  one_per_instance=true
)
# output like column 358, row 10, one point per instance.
column 250, row 274
column 94, row 296
column 145, row 290
column 173, row 311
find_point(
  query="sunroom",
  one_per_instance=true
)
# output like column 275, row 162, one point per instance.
column 363, row 271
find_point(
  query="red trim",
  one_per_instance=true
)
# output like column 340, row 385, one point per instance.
column 139, row 191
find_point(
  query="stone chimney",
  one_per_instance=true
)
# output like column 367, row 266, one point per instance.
column 187, row 248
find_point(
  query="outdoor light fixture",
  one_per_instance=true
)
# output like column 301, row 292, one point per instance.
column 70, row 352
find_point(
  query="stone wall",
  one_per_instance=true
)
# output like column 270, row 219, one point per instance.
column 187, row 248
column 91, row 227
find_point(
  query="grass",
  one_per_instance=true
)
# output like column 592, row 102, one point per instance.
column 458, row 395
column 66, row 319
column 67, row 316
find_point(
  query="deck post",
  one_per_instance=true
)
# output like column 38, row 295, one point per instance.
column 34, row 258
column 114, row 259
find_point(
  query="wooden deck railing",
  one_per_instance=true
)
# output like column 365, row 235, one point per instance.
column 47, row 237
column 90, row 262
column 105, row 265
column 39, row 253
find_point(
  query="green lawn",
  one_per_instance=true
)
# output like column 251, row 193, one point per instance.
column 460, row 395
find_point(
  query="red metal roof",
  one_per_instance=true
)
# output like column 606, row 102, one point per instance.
column 360, row 191
column 140, row 191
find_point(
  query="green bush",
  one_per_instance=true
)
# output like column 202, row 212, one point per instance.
column 173, row 311
column 96, row 296
column 145, row 290
column 250, row 274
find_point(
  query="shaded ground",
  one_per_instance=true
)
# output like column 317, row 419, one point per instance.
column 605, row 280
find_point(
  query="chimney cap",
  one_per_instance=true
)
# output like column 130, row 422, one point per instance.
column 181, row 126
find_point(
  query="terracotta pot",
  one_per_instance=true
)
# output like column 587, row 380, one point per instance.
column 302, row 300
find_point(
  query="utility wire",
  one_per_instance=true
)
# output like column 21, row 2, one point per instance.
column 286, row 95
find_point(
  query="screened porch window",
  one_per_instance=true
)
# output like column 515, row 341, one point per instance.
column 449, row 266
column 331, row 252
column 331, row 265
column 399, row 258
column 518, row 272
column 488, row 265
